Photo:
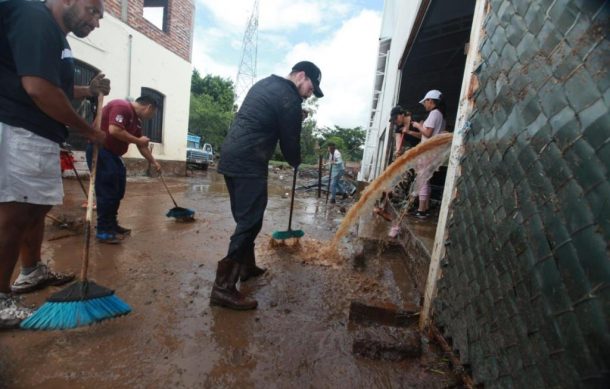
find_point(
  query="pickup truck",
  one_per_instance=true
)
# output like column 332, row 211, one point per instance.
column 198, row 156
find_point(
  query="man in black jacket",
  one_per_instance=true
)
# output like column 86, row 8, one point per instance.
column 270, row 112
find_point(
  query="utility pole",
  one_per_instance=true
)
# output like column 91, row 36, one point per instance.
column 246, row 75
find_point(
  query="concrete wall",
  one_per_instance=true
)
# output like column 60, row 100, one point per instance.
column 524, row 294
column 398, row 18
column 131, row 60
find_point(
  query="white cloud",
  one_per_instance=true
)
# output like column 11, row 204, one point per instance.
column 276, row 15
column 347, row 60
column 204, row 58
column 346, row 54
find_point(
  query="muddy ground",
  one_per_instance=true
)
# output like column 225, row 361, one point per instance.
column 298, row 337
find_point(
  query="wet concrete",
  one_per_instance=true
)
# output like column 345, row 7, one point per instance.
column 298, row 337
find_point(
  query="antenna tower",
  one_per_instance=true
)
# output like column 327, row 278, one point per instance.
column 246, row 75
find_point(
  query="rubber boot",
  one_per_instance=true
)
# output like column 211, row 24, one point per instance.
column 224, row 291
column 249, row 269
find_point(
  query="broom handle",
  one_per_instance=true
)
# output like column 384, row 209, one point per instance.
column 294, row 183
column 167, row 189
column 330, row 173
column 96, row 149
column 79, row 180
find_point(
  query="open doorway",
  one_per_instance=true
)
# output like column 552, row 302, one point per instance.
column 434, row 58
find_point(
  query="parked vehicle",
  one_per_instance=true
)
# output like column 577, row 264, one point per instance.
column 198, row 155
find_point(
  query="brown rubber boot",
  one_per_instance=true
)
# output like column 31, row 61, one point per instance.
column 224, row 292
column 249, row 269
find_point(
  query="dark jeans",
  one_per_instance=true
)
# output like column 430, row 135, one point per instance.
column 109, row 188
column 248, row 202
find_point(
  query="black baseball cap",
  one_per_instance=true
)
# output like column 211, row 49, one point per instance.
column 398, row 110
column 314, row 74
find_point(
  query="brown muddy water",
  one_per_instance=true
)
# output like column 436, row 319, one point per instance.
column 298, row 337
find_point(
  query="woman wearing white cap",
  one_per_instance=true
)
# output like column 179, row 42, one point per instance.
column 433, row 125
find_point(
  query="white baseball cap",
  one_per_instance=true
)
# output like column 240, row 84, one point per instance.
column 432, row 94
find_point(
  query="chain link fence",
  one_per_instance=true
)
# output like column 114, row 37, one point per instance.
column 524, row 295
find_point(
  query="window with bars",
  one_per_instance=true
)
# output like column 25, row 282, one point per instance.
column 83, row 73
column 153, row 128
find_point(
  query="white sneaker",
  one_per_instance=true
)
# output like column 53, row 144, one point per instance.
column 39, row 278
column 12, row 313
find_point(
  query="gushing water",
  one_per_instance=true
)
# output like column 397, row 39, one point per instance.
column 425, row 159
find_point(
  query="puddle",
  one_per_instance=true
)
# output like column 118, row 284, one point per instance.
column 297, row 337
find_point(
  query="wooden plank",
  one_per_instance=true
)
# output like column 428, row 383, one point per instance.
column 469, row 85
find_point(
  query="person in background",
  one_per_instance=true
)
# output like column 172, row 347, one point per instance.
column 433, row 125
column 37, row 73
column 122, row 122
column 271, row 112
column 404, row 136
column 338, row 169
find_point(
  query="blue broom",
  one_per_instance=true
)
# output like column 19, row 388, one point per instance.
column 178, row 213
column 84, row 302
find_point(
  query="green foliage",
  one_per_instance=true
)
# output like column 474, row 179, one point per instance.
column 349, row 141
column 211, row 109
column 339, row 144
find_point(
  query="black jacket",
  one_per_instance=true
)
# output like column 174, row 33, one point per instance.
column 270, row 112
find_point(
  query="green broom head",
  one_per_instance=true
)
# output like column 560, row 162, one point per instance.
column 283, row 235
column 181, row 214
column 80, row 304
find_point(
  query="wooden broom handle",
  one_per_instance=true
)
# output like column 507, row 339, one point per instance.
column 97, row 125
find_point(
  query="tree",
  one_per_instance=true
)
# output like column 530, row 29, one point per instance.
column 352, row 140
column 211, row 109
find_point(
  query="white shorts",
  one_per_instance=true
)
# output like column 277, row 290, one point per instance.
column 29, row 168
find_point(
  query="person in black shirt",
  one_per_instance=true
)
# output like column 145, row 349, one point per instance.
column 271, row 111
column 36, row 85
column 404, row 136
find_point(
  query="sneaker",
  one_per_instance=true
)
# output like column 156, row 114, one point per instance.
column 422, row 214
column 12, row 313
column 333, row 201
column 39, row 278
column 107, row 237
column 122, row 230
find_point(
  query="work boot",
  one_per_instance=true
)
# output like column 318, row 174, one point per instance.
column 249, row 269
column 224, row 292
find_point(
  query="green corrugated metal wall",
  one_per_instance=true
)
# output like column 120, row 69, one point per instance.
column 525, row 290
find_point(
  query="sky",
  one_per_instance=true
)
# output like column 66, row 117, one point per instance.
column 340, row 36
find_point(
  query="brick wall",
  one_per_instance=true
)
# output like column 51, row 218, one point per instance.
column 525, row 290
column 179, row 35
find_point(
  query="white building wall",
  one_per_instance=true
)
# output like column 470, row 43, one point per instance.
column 132, row 61
column 398, row 19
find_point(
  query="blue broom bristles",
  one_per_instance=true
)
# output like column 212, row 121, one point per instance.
column 54, row 315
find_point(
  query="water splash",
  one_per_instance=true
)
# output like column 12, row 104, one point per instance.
column 425, row 159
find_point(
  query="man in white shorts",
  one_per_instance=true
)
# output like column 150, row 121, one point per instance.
column 36, row 85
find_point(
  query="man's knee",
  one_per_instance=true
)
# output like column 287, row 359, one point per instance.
column 21, row 215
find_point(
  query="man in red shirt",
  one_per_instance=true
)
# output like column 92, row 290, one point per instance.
column 122, row 122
